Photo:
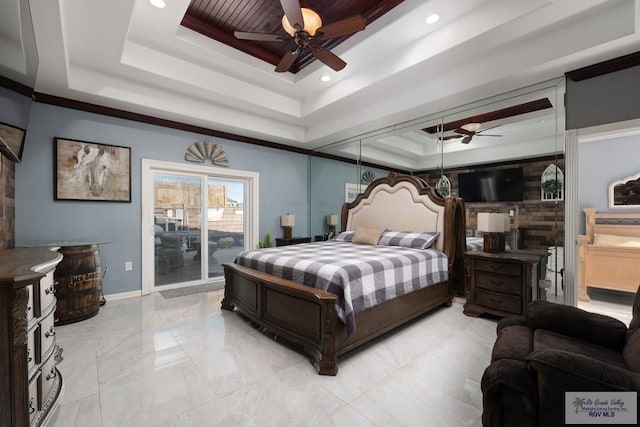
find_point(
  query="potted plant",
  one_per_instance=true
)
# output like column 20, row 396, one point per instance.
column 552, row 187
column 266, row 243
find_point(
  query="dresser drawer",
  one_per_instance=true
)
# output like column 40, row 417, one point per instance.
column 30, row 304
column 497, row 267
column 47, row 292
column 496, row 301
column 498, row 283
column 49, row 378
column 47, row 335
column 32, row 351
column 33, row 405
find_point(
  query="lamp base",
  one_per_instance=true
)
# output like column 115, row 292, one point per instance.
column 493, row 242
column 287, row 232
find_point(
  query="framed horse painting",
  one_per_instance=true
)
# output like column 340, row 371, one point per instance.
column 90, row 171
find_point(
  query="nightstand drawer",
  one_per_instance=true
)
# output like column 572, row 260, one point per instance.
column 499, row 283
column 509, row 303
column 498, row 267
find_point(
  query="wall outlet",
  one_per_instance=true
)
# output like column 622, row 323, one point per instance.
column 512, row 212
column 128, row 266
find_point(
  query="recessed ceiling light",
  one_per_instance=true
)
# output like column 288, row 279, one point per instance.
column 158, row 3
column 432, row 19
column 325, row 78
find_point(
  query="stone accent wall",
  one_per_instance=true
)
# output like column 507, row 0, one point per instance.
column 536, row 224
column 7, row 203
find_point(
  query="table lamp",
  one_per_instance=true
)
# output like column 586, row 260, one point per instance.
column 332, row 221
column 287, row 222
column 493, row 225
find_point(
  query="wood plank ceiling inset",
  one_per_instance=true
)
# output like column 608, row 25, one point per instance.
column 503, row 113
column 218, row 19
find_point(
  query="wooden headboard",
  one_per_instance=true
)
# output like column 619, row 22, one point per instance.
column 405, row 203
column 619, row 224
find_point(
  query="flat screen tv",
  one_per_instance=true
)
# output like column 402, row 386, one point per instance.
column 498, row 185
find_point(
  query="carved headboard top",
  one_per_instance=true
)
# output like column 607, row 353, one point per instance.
column 401, row 203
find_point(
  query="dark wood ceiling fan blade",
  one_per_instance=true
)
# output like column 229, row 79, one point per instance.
column 258, row 36
column 467, row 139
column 287, row 61
column 328, row 58
column 446, row 138
column 293, row 12
column 342, row 28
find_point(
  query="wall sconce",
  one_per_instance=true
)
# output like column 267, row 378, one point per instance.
column 493, row 225
column 287, row 222
column 332, row 221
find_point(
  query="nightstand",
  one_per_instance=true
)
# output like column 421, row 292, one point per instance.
column 292, row 241
column 503, row 283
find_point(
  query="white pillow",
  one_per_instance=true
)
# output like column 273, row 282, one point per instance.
column 614, row 240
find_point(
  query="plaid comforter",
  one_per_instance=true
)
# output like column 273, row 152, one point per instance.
column 362, row 276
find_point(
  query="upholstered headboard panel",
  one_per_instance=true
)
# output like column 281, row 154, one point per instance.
column 398, row 204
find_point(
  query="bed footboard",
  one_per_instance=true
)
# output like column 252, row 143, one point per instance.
column 300, row 314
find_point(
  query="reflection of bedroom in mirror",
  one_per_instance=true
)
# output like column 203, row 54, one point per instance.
column 521, row 130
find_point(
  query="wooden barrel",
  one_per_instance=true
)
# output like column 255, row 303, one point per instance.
column 79, row 283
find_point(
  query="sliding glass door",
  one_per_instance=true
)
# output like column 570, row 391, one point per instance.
column 200, row 219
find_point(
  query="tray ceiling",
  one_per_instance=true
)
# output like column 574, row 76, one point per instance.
column 218, row 19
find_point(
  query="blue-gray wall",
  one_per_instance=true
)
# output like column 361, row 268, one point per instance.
column 40, row 219
column 600, row 163
column 327, row 189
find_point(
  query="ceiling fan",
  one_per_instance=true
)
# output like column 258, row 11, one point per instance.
column 305, row 26
column 468, row 131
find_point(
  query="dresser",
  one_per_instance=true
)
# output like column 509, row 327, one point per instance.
column 30, row 383
column 292, row 241
column 503, row 283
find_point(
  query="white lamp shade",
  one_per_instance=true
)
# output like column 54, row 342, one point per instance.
column 332, row 219
column 288, row 220
column 491, row 222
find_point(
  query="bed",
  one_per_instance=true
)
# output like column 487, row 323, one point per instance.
column 609, row 254
column 311, row 317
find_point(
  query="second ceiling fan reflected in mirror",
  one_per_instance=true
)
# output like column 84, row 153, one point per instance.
column 305, row 26
column 468, row 131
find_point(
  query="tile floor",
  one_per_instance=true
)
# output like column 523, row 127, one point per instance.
column 153, row 361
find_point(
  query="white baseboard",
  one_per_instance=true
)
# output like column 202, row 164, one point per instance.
column 123, row 295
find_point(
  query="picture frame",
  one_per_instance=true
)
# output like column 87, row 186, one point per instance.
column 11, row 141
column 90, row 171
column 352, row 190
column 625, row 193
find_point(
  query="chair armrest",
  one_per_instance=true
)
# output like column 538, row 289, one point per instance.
column 574, row 322
column 572, row 372
column 511, row 321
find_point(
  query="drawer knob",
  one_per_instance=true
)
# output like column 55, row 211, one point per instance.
column 50, row 333
column 31, row 408
column 58, row 354
column 52, row 374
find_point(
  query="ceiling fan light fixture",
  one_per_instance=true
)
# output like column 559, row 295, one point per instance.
column 311, row 20
column 472, row 127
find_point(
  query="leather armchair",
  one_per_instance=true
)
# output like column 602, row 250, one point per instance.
column 555, row 349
